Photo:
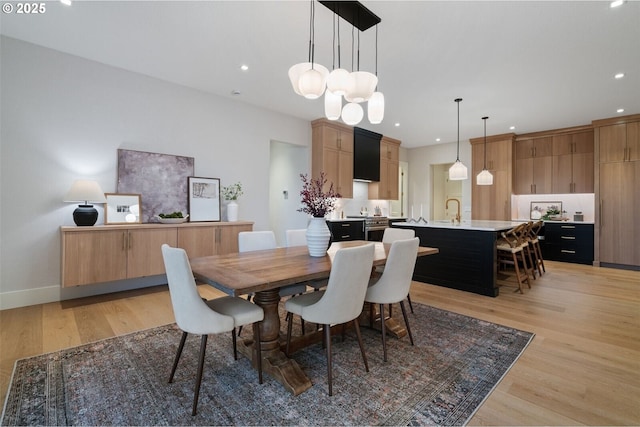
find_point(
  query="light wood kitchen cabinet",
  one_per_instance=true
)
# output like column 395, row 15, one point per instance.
column 533, row 168
column 617, row 197
column 492, row 202
column 573, row 163
column 388, row 186
column 332, row 152
column 206, row 240
column 106, row 253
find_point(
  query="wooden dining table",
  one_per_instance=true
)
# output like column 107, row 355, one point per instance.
column 263, row 273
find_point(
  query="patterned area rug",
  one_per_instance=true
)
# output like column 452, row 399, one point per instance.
column 442, row 380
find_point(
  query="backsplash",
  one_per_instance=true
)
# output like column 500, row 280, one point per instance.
column 351, row 207
column 571, row 203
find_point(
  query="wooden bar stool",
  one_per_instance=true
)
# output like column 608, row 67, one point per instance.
column 534, row 243
column 511, row 252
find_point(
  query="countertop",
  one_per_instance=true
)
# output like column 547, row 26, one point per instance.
column 475, row 225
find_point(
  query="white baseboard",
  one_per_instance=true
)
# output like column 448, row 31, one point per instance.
column 47, row 294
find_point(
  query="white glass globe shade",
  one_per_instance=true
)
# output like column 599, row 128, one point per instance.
column 332, row 105
column 361, row 87
column 296, row 72
column 312, row 84
column 352, row 113
column 375, row 108
column 338, row 81
column 457, row 171
column 484, row 178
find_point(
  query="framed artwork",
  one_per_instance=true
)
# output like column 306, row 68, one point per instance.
column 204, row 199
column 546, row 210
column 122, row 208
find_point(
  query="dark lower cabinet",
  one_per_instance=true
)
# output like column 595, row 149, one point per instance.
column 568, row 242
column 346, row 230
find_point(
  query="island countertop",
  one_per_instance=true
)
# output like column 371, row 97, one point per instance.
column 476, row 225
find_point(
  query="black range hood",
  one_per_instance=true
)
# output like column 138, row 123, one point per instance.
column 366, row 155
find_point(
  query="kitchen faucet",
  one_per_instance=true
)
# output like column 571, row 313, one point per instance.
column 446, row 205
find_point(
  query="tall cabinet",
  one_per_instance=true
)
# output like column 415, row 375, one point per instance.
column 573, row 162
column 332, row 153
column 617, row 230
column 492, row 202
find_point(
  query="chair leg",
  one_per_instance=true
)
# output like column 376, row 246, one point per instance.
column 289, row 327
column 384, row 332
column 515, row 266
column 406, row 321
column 410, row 305
column 258, row 345
column 526, row 268
column 327, row 338
column 235, row 344
column 178, row 354
column 196, row 392
column 361, row 344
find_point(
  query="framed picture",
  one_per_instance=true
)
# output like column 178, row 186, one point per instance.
column 204, row 199
column 546, row 210
column 122, row 208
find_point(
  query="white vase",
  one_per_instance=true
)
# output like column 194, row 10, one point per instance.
column 318, row 236
column 232, row 211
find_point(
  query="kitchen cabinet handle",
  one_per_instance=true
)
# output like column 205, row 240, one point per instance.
column 566, row 251
column 124, row 240
column 567, row 226
column 345, row 236
column 600, row 216
column 568, row 237
column 130, row 239
column 346, row 225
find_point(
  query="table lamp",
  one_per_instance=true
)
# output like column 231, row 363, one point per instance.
column 85, row 191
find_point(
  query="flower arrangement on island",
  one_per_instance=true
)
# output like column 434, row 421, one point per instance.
column 315, row 201
column 232, row 192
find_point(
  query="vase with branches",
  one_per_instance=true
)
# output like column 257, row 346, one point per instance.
column 317, row 202
column 231, row 193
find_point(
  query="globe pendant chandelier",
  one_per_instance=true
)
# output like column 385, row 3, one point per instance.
column 312, row 80
column 485, row 177
column 458, row 171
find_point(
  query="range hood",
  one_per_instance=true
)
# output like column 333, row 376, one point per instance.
column 366, row 155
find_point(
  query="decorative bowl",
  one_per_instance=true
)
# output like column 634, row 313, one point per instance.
column 172, row 220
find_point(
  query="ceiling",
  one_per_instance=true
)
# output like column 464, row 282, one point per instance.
column 533, row 65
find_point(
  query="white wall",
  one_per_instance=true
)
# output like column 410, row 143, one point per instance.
column 64, row 117
column 421, row 177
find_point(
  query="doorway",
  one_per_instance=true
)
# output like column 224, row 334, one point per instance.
column 398, row 208
column 443, row 189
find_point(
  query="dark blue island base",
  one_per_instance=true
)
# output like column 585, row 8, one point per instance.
column 467, row 257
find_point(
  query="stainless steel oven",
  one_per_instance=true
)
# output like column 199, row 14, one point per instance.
column 374, row 228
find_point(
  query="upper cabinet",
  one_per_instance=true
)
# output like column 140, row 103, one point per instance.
column 533, row 165
column 332, row 152
column 573, row 162
column 492, row 202
column 388, row 186
column 619, row 142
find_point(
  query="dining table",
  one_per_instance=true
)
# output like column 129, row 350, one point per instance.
column 261, row 274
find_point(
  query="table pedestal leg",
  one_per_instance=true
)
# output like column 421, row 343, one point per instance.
column 274, row 362
column 391, row 325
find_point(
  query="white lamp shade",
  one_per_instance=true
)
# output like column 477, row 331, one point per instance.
column 296, row 72
column 457, row 171
column 332, row 105
column 375, row 108
column 362, row 86
column 352, row 113
column 86, row 191
column 338, row 81
column 484, row 178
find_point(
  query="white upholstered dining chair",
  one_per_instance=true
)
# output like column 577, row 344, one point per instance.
column 393, row 286
column 196, row 316
column 296, row 237
column 342, row 300
column 391, row 235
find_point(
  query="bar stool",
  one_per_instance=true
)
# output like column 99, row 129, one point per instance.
column 509, row 246
column 534, row 242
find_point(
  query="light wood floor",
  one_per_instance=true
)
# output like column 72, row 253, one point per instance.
column 583, row 366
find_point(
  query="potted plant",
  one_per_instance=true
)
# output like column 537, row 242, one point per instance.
column 231, row 193
column 317, row 203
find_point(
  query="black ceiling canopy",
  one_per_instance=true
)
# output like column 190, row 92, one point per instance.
column 354, row 13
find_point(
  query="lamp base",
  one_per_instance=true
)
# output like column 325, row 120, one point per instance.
column 85, row 215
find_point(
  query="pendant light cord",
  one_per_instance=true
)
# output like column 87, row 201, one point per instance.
column 457, row 100
column 485, row 142
column 313, row 32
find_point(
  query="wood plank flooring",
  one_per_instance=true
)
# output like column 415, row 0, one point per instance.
column 582, row 368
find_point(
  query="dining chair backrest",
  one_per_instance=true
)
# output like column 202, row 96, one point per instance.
column 392, row 234
column 297, row 237
column 348, row 280
column 395, row 282
column 256, row 240
column 191, row 313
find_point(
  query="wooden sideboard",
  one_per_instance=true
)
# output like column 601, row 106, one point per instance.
column 106, row 253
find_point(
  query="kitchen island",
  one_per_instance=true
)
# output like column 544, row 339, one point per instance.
column 467, row 258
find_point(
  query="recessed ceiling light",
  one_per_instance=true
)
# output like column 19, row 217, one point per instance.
column 619, row 75
column 616, row 3
column 437, row 139
column 397, row 125
column 620, row 110
column 66, row 2
column 512, row 128
column 235, row 92
column 244, row 67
